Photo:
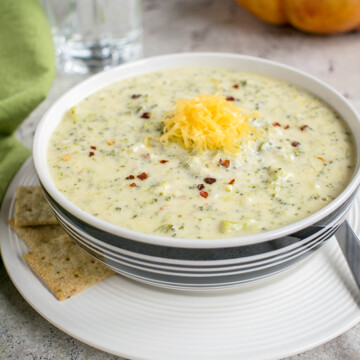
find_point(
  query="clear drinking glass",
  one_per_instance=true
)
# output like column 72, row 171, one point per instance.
column 94, row 35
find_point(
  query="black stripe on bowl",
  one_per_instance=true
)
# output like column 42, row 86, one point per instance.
column 192, row 269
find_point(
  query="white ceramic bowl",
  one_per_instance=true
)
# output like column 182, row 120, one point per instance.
column 145, row 256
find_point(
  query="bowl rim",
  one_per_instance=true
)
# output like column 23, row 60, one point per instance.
column 45, row 178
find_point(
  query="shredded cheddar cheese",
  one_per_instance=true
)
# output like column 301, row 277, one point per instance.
column 66, row 157
column 207, row 122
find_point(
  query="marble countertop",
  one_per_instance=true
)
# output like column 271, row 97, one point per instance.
column 186, row 26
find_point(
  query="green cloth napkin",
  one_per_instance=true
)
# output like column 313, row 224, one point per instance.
column 27, row 68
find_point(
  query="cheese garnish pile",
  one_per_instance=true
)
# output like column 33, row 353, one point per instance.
column 207, row 122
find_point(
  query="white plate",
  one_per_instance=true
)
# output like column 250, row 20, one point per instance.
column 273, row 318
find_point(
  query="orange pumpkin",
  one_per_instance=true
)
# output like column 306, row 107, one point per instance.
column 315, row 16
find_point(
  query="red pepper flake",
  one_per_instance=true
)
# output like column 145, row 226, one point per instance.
column 135, row 96
column 91, row 153
column 132, row 184
column 295, row 144
column 142, row 176
column 230, row 98
column 321, row 158
column 163, row 161
column 276, row 124
column 201, row 186
column 231, row 182
column 204, row 194
column 286, row 127
column 130, row 177
column 303, row 127
column 210, row 180
column 236, row 86
column 145, row 115
column 93, row 147
column 225, row 163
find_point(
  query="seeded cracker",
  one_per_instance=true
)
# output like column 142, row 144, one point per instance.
column 34, row 236
column 66, row 268
column 31, row 207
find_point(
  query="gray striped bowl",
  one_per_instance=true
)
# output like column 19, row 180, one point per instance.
column 190, row 263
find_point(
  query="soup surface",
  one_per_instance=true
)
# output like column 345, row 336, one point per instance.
column 101, row 157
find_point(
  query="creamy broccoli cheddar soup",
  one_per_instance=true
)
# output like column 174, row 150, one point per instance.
column 155, row 153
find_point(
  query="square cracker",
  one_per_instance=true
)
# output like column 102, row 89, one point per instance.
column 31, row 207
column 66, row 268
column 34, row 236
